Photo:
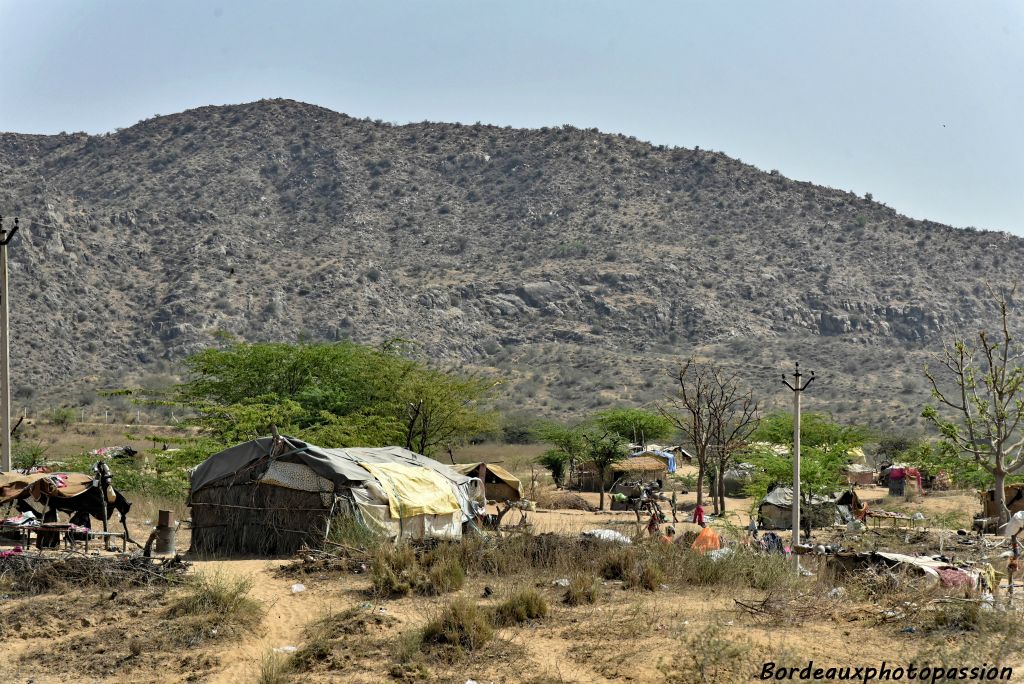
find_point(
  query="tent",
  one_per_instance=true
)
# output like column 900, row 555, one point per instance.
column 737, row 478
column 860, row 474
column 896, row 476
column 272, row 495
column 499, row 484
column 775, row 512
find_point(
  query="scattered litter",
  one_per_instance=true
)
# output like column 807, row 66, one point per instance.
column 908, row 630
column 285, row 649
column 470, row 681
column 298, row 588
column 608, row 535
column 719, row 554
column 838, row 592
column 563, row 582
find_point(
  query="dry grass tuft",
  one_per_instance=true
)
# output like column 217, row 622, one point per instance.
column 275, row 668
column 461, row 627
column 520, row 607
column 582, row 589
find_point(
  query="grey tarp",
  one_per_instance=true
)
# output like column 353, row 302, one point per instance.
column 340, row 466
column 775, row 510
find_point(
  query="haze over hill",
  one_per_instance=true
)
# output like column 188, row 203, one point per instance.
column 577, row 264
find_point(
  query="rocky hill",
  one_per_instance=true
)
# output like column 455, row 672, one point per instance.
column 577, row 264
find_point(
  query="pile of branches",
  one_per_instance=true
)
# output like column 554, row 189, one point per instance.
column 566, row 501
column 779, row 607
column 38, row 574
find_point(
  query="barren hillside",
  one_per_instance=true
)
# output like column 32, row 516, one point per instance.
column 576, row 263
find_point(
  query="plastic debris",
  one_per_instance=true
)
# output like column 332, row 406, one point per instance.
column 285, row 649
column 298, row 588
column 563, row 582
column 838, row 592
column 608, row 535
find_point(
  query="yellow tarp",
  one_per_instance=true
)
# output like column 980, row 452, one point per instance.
column 413, row 490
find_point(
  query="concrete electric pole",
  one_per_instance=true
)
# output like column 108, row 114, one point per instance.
column 5, row 348
column 798, row 389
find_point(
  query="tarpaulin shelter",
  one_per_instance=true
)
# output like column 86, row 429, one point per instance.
column 775, row 512
column 15, row 485
column 274, row 495
column 737, row 478
column 859, row 474
column 896, row 477
column 499, row 484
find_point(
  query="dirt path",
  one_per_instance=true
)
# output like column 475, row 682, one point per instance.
column 287, row 614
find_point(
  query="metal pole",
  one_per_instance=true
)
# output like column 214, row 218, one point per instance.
column 796, row 471
column 5, row 350
column 798, row 389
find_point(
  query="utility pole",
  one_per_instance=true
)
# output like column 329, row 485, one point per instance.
column 798, row 389
column 5, row 348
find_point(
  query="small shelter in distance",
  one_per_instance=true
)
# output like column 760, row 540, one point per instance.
column 775, row 512
column 637, row 469
column 499, row 484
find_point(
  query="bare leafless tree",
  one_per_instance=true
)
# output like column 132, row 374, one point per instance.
column 982, row 386
column 715, row 415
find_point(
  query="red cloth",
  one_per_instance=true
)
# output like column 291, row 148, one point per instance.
column 698, row 515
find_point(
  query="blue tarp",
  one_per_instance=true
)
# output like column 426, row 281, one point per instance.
column 669, row 458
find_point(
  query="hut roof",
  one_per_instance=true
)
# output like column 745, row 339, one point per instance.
column 639, row 464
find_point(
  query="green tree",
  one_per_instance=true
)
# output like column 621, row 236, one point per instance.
column 816, row 430
column 568, row 446
column 635, row 425
column 980, row 400
column 603, row 450
column 444, row 409
column 824, row 445
column 337, row 395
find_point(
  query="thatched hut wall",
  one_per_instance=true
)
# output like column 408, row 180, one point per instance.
column 255, row 518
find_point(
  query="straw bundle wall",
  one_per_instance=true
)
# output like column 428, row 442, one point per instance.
column 255, row 518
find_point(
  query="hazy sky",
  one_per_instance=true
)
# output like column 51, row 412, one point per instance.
column 919, row 102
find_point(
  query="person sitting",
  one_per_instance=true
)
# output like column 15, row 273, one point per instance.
column 668, row 537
